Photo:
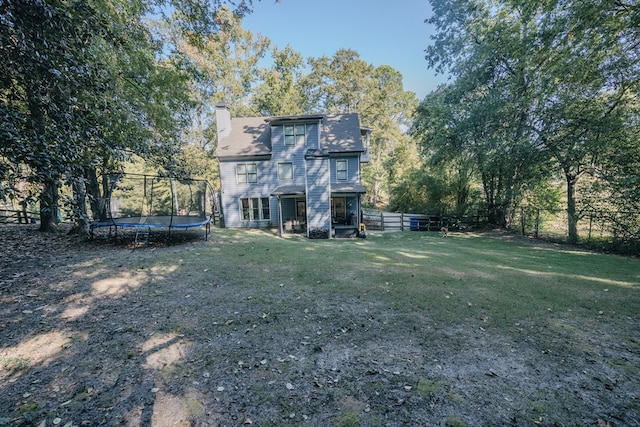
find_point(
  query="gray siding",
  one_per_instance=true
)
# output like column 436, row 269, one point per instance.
column 268, row 181
column 353, row 168
column 232, row 192
column 292, row 153
column 318, row 194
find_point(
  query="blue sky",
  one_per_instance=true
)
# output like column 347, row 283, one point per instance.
column 383, row 32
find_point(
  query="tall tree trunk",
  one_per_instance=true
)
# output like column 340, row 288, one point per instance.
column 49, row 205
column 572, row 216
column 96, row 197
column 81, row 219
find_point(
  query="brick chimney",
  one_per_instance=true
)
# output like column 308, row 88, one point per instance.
column 223, row 120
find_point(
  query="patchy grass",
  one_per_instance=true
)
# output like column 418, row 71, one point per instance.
column 248, row 328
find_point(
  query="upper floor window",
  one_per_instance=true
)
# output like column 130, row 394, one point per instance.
column 341, row 170
column 294, row 134
column 285, row 171
column 247, row 173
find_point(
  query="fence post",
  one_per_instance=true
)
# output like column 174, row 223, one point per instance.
column 381, row 221
column 537, row 222
column 401, row 221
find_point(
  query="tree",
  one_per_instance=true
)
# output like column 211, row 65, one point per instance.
column 546, row 87
column 388, row 110
column 224, row 64
column 345, row 83
column 224, row 67
column 42, row 92
column 280, row 93
column 588, row 93
column 84, row 84
column 495, row 56
column 338, row 84
column 449, row 144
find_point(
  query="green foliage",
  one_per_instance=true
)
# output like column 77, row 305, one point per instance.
column 541, row 89
column 409, row 193
column 346, row 83
column 280, row 93
column 543, row 195
column 223, row 66
column 83, row 87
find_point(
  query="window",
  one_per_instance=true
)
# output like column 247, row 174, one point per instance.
column 285, row 171
column 247, row 173
column 246, row 211
column 294, row 134
column 341, row 170
column 266, row 213
column 255, row 208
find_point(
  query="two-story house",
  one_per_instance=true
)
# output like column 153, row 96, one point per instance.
column 296, row 173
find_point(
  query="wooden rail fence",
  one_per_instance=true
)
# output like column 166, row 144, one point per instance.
column 392, row 221
column 10, row 216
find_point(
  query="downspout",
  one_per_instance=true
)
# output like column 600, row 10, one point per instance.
column 320, row 150
column 306, row 193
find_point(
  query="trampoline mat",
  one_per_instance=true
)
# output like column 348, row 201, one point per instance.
column 154, row 222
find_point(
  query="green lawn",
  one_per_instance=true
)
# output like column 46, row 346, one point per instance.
column 449, row 279
column 248, row 328
column 540, row 320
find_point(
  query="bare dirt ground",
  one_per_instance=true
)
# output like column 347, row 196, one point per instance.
column 82, row 342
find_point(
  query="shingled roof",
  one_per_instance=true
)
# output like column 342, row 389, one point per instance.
column 251, row 136
column 341, row 133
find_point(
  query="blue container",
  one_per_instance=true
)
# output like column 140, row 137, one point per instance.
column 414, row 223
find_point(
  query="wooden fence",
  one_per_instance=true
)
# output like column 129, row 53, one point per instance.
column 609, row 230
column 392, row 221
column 10, row 216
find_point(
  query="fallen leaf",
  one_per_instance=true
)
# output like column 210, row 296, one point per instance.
column 290, row 386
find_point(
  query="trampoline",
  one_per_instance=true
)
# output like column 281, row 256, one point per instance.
column 155, row 202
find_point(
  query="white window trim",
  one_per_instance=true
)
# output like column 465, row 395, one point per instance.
column 252, row 208
column 246, row 173
column 294, row 126
column 346, row 170
column 285, row 179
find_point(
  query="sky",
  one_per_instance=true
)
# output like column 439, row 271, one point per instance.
column 383, row 32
